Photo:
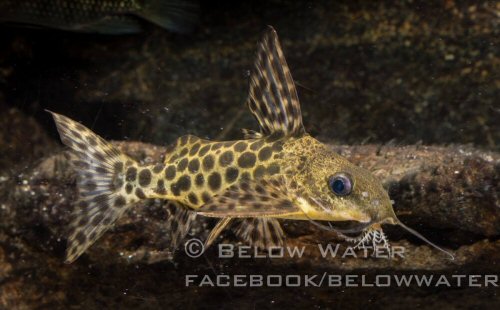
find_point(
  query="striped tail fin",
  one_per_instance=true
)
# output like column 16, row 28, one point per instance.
column 101, row 183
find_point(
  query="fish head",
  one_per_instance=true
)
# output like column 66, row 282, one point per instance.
column 350, row 197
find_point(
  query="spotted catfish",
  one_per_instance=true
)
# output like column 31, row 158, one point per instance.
column 280, row 172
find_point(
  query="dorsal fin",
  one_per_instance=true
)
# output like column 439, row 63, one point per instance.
column 272, row 97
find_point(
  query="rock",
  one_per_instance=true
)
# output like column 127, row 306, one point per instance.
column 36, row 207
column 453, row 191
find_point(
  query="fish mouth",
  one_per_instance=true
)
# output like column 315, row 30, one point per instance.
column 347, row 220
column 353, row 235
column 350, row 228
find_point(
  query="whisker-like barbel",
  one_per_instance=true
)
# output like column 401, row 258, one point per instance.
column 280, row 172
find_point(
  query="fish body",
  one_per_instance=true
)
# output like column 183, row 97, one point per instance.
column 280, row 172
column 100, row 16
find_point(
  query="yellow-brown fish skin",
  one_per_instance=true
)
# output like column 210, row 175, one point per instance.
column 312, row 163
column 279, row 173
column 195, row 169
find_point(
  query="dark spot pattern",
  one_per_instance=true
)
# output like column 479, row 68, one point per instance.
column 214, row 181
column 184, row 183
column 247, row 160
column 194, row 165
column 285, row 203
column 158, row 168
column 92, row 141
column 199, row 180
column 120, row 201
column 174, row 188
column 160, row 187
column 204, row 150
column 117, row 184
column 97, row 219
column 259, row 172
column 131, row 174
column 208, row 162
column 139, row 193
column 259, row 189
column 118, row 167
column 144, row 177
column 265, row 153
column 278, row 146
column 257, row 145
column 81, row 145
column 83, row 221
column 273, row 169
column 245, row 186
column 170, row 148
column 240, row 146
column 194, row 149
column 80, row 164
column 99, row 156
column 101, row 170
column 80, row 237
column 128, row 188
column 183, row 140
column 216, row 146
column 206, row 197
column 76, row 134
column 80, row 127
column 183, row 152
column 170, row 172
column 100, row 199
column 182, row 165
column 89, row 186
column 193, row 199
column 231, row 174
column 226, row 158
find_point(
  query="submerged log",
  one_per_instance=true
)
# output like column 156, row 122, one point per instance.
column 449, row 193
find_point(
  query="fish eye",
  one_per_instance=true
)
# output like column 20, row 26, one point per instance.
column 340, row 184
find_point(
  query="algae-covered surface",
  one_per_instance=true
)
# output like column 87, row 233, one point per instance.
column 406, row 89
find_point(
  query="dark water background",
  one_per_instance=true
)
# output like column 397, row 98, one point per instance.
column 368, row 72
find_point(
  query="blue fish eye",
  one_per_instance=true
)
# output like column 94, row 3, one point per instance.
column 340, row 184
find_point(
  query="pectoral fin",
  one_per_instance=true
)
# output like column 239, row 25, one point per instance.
column 217, row 230
column 261, row 232
column 260, row 198
column 178, row 222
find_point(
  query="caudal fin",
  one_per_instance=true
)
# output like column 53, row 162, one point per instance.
column 101, row 184
column 174, row 15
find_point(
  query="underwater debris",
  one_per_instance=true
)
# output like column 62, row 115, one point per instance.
column 462, row 219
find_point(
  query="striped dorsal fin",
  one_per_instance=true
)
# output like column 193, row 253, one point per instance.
column 272, row 97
